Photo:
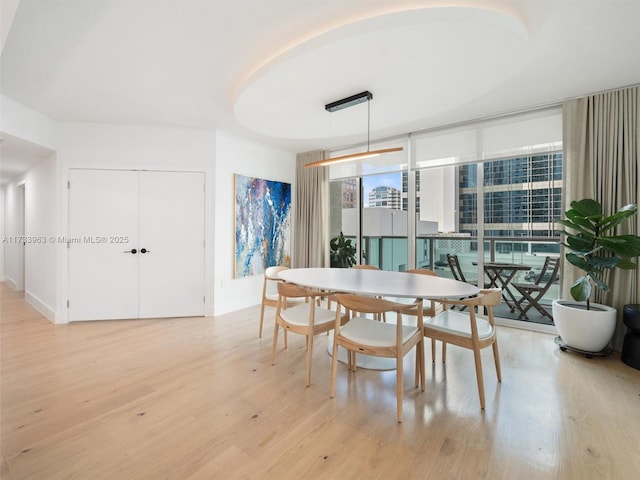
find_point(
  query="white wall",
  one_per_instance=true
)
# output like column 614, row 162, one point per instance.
column 12, row 206
column 84, row 145
column 2, row 233
column 30, row 125
column 81, row 145
column 38, row 272
column 40, row 228
column 237, row 155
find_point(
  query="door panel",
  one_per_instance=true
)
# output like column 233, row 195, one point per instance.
column 103, row 213
column 172, row 209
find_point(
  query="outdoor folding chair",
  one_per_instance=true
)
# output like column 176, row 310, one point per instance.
column 533, row 292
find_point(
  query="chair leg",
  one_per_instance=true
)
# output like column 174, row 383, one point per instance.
column 444, row 352
column 496, row 359
column 399, row 386
column 261, row 320
column 433, row 351
column 417, row 369
column 422, row 367
column 334, row 369
column 478, row 361
column 275, row 343
column 309, row 355
column 419, row 374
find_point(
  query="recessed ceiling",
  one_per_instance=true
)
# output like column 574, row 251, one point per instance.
column 417, row 63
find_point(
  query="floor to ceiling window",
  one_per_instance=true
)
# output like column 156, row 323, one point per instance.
column 367, row 207
column 487, row 192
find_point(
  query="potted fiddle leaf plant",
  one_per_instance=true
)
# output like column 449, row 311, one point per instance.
column 343, row 252
column 595, row 250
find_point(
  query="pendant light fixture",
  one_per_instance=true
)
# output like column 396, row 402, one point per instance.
column 356, row 99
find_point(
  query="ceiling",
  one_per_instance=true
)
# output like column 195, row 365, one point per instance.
column 265, row 69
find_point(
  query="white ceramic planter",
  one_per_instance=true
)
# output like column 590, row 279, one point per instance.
column 582, row 329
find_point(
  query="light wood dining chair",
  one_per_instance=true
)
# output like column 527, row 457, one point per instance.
column 307, row 318
column 382, row 316
column 361, row 335
column 365, row 267
column 429, row 307
column 467, row 331
column 270, row 292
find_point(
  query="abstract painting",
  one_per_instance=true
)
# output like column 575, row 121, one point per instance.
column 263, row 225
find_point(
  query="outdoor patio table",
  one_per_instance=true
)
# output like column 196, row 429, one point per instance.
column 500, row 275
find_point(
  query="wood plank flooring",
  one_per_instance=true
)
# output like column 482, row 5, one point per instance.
column 198, row 398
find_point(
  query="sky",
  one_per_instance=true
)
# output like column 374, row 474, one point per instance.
column 384, row 180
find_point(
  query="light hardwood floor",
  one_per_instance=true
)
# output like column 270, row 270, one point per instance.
column 198, row 398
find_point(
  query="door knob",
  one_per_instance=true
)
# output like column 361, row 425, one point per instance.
column 144, row 250
column 133, row 250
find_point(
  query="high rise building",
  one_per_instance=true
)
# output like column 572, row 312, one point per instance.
column 385, row 197
column 350, row 193
column 522, row 196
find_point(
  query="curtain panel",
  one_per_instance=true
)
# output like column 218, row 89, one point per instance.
column 601, row 154
column 311, row 237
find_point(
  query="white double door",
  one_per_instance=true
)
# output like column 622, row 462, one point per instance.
column 136, row 244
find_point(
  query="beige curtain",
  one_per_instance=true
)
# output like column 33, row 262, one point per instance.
column 601, row 155
column 310, row 237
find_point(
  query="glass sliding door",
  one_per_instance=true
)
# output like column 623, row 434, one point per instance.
column 384, row 222
column 477, row 194
column 344, row 211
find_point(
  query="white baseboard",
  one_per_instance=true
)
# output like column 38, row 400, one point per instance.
column 535, row 327
column 11, row 282
column 40, row 306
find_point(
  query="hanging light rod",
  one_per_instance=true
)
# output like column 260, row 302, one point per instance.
column 349, row 101
column 356, row 99
column 353, row 156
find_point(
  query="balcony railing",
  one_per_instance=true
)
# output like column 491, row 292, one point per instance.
column 390, row 253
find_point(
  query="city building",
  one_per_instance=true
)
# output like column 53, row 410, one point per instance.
column 385, row 197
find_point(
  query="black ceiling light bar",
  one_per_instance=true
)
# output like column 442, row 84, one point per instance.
column 349, row 101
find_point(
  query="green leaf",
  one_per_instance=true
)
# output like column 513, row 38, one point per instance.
column 618, row 217
column 578, row 261
column 587, row 208
column 600, row 284
column 626, row 264
column 580, row 243
column 581, row 289
column 624, row 245
column 581, row 220
column 569, row 224
column 604, row 262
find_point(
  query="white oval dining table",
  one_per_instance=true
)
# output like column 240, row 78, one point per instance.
column 380, row 283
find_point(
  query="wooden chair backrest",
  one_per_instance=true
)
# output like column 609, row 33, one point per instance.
column 375, row 305
column 291, row 290
column 422, row 271
column 489, row 297
column 271, row 273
